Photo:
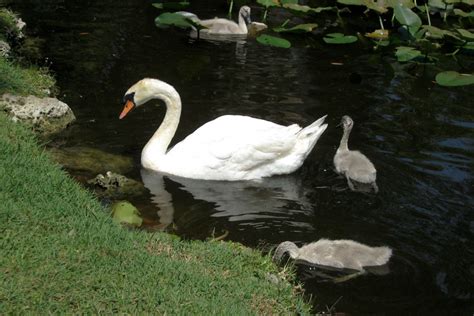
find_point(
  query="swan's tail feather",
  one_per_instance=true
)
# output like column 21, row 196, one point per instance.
column 312, row 132
column 382, row 255
column 314, row 127
column 193, row 17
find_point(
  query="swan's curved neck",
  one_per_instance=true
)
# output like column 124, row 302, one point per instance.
column 286, row 247
column 345, row 139
column 242, row 24
column 159, row 142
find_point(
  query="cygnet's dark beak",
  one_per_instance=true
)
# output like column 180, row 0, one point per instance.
column 247, row 19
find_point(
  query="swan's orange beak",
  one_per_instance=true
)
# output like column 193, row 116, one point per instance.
column 129, row 105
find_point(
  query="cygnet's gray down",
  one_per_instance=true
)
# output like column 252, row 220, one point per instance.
column 354, row 165
column 343, row 254
column 221, row 26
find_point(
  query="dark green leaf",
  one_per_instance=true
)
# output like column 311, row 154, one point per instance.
column 406, row 3
column 175, row 19
column 269, row 3
column 466, row 34
column 171, row 5
column 352, row 2
column 339, row 38
column 273, row 41
column 453, row 79
column 436, row 33
column 469, row 45
column 406, row 16
column 405, row 53
column 463, row 14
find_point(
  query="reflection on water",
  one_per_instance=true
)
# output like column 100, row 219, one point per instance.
column 418, row 135
column 274, row 203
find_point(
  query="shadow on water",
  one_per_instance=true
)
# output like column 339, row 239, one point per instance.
column 419, row 136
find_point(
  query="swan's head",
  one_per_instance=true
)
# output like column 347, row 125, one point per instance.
column 347, row 122
column 244, row 12
column 145, row 90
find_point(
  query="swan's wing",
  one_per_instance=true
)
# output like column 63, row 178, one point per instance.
column 223, row 26
column 237, row 143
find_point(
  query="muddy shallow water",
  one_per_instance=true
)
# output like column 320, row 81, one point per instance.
column 419, row 136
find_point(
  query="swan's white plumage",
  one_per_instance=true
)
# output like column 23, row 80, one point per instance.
column 231, row 147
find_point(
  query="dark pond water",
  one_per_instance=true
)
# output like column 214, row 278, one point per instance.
column 419, row 136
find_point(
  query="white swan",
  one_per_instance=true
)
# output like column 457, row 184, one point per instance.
column 342, row 254
column 221, row 26
column 352, row 163
column 231, row 147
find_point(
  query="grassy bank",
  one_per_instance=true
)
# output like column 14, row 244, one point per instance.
column 24, row 81
column 19, row 78
column 62, row 253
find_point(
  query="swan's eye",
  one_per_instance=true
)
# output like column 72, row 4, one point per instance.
column 128, row 97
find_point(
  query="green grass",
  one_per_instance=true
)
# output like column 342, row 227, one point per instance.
column 61, row 253
column 8, row 23
column 24, row 81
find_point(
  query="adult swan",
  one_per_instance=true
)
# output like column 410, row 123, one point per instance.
column 231, row 147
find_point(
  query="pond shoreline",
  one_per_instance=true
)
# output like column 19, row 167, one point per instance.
column 63, row 253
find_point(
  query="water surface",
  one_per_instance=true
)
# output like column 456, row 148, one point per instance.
column 419, row 136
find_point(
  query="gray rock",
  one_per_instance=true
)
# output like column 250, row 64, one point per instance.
column 4, row 49
column 47, row 116
column 116, row 186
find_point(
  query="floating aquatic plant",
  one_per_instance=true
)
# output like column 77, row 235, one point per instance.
column 339, row 38
column 453, row 79
column 273, row 41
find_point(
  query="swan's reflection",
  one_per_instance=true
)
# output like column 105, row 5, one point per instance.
column 272, row 202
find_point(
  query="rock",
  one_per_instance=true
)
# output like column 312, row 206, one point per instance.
column 46, row 115
column 116, row 186
column 90, row 160
column 4, row 49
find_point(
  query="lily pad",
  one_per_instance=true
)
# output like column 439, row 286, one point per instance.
column 464, row 14
column 269, row 3
column 468, row 45
column 273, row 41
column 174, row 19
column 466, row 34
column 305, row 8
column 378, row 6
column 125, row 213
column 301, row 28
column 454, row 79
column 378, row 34
column 440, row 5
column 405, row 53
column 436, row 33
column 406, row 16
column 406, row 3
column 339, row 38
column 171, row 5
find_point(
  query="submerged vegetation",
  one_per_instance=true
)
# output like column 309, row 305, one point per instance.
column 425, row 32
